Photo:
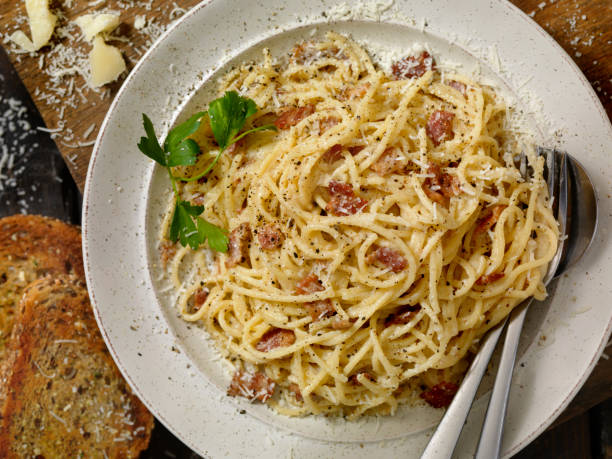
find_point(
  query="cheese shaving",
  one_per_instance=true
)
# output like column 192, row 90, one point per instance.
column 106, row 63
column 97, row 23
column 42, row 24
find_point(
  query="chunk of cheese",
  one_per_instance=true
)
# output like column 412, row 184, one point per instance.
column 106, row 63
column 94, row 24
column 22, row 40
column 42, row 24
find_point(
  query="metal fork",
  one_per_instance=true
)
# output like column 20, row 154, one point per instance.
column 489, row 444
column 443, row 441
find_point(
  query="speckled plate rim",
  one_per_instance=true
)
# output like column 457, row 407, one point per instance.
column 106, row 253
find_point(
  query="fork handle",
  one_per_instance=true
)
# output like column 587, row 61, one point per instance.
column 443, row 441
column 489, row 444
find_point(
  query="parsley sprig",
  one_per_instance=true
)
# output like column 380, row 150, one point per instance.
column 227, row 116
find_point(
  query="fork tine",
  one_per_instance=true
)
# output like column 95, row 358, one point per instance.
column 563, row 195
column 551, row 172
column 563, row 211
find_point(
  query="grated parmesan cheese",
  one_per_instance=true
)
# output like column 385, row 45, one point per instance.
column 89, row 130
column 59, row 419
column 366, row 10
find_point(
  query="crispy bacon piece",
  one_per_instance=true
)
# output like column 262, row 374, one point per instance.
column 355, row 92
column 302, row 52
column 439, row 127
column 327, row 123
column 167, row 251
column 333, row 154
column 403, row 316
column 342, row 324
column 355, row 382
column 293, row 387
column 293, row 115
column 343, row 199
column 489, row 278
column 238, row 244
column 319, row 310
column 440, row 395
column 254, row 386
column 441, row 187
column 449, row 185
column 390, row 162
column 490, row 218
column 198, row 199
column 276, row 337
column 236, row 147
column 435, row 196
column 269, row 237
column 198, row 299
column 307, row 51
column 458, row 86
column 413, row 66
column 391, row 258
column 310, row 284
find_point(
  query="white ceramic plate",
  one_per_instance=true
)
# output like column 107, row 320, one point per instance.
column 172, row 366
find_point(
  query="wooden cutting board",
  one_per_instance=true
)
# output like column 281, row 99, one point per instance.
column 66, row 103
column 74, row 112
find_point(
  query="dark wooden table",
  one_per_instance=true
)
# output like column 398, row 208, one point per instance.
column 582, row 27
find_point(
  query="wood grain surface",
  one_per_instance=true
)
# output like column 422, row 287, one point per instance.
column 582, row 27
column 70, row 103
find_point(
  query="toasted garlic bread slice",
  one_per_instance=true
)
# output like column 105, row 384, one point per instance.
column 61, row 394
column 32, row 246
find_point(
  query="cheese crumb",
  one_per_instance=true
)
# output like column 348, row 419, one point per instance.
column 140, row 22
column 106, row 63
column 22, row 40
column 42, row 24
column 94, row 24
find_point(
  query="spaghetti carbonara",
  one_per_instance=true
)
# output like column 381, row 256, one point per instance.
column 373, row 238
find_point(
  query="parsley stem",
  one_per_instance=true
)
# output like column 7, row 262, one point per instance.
column 173, row 181
column 206, row 171
column 267, row 127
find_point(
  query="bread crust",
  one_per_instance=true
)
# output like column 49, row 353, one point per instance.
column 61, row 394
column 32, row 246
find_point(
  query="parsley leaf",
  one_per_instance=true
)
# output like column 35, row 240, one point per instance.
column 228, row 115
column 149, row 144
column 217, row 237
column 177, row 134
column 180, row 150
column 183, row 227
column 184, row 154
